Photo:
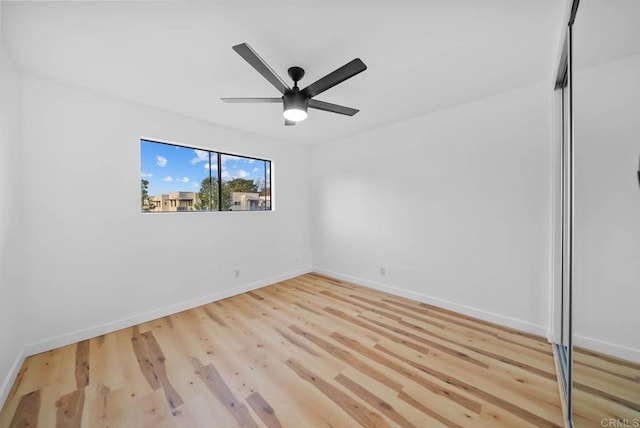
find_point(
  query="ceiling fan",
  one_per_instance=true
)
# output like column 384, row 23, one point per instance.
column 294, row 100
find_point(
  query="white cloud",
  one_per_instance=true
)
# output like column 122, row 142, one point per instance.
column 251, row 160
column 213, row 167
column 241, row 173
column 225, row 158
column 145, row 175
column 255, row 169
column 183, row 180
column 196, row 184
column 168, row 178
column 201, row 156
column 225, row 174
column 161, row 161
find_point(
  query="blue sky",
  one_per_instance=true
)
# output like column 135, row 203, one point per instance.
column 171, row 168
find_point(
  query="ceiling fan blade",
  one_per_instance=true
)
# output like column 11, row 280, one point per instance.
column 289, row 123
column 333, row 108
column 332, row 79
column 251, row 100
column 249, row 55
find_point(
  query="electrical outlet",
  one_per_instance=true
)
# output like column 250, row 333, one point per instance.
column 237, row 273
column 383, row 271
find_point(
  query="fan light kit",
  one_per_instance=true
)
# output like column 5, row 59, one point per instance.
column 295, row 114
column 295, row 102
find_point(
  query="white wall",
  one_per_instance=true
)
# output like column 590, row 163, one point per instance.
column 455, row 205
column 607, row 219
column 11, row 212
column 94, row 262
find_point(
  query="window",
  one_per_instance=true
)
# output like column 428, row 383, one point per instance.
column 179, row 178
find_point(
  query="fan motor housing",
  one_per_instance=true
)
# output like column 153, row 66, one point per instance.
column 295, row 100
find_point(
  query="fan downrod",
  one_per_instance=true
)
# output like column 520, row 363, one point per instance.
column 296, row 74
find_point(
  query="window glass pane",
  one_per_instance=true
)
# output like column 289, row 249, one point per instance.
column 265, row 192
column 208, row 186
column 244, row 184
column 172, row 177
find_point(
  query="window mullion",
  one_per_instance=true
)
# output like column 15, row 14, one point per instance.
column 210, row 186
column 219, row 182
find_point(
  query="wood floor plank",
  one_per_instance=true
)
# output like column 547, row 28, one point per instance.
column 602, row 383
column 369, row 308
column 418, row 404
column 500, row 371
column 598, row 361
column 152, row 412
column 493, row 416
column 604, row 358
column 519, row 385
column 294, row 341
column 349, row 358
column 482, row 344
column 486, row 346
column 442, row 317
column 428, row 342
column 202, row 411
column 446, row 317
column 82, row 364
column 402, row 313
column 452, row 323
column 352, row 407
column 69, row 410
column 481, row 394
column 152, row 364
column 112, row 406
column 591, row 409
column 114, row 365
column 197, row 343
column 436, row 388
column 374, row 401
column 223, row 394
column 214, row 316
column 26, row 415
column 145, row 360
column 264, row 411
column 314, row 351
column 100, row 408
column 158, row 360
column 630, row 403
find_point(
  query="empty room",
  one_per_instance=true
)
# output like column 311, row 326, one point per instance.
column 320, row 214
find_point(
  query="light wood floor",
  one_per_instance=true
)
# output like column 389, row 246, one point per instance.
column 307, row 352
column 605, row 389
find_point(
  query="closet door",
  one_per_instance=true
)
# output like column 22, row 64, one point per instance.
column 605, row 82
column 562, row 223
column 562, row 292
column 565, row 349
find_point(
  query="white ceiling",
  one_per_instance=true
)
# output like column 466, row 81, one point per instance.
column 421, row 55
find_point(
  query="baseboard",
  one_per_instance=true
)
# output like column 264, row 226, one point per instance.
column 87, row 333
column 462, row 309
column 608, row 348
column 8, row 381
